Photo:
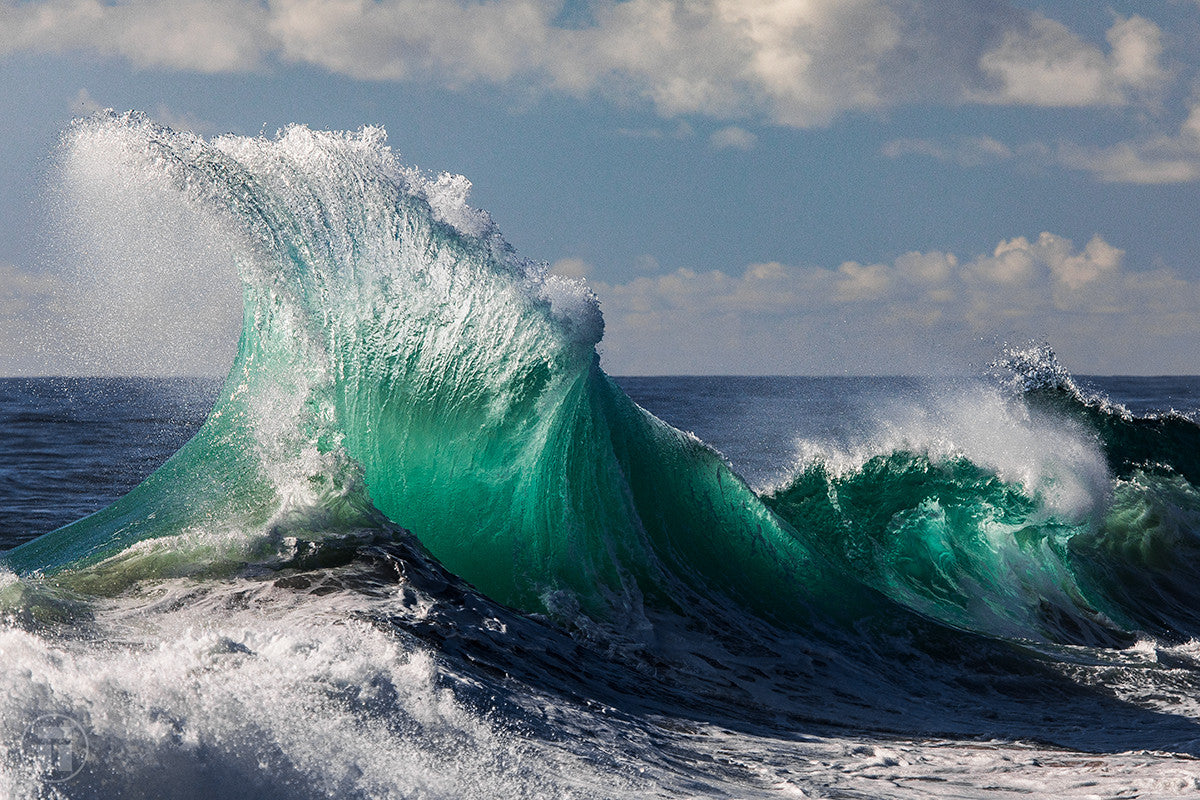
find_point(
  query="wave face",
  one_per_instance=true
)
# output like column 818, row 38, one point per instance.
column 420, row 515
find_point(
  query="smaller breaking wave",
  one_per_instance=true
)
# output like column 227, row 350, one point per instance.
column 1024, row 509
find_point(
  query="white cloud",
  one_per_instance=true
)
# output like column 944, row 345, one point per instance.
column 1137, row 50
column 571, row 268
column 732, row 137
column 966, row 151
column 1154, row 160
column 210, row 36
column 924, row 311
column 84, row 104
column 856, row 282
column 1047, row 64
column 26, row 308
column 1132, row 162
column 793, row 62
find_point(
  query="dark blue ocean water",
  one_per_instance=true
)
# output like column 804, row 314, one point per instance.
column 71, row 446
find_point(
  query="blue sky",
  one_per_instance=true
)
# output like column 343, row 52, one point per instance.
column 750, row 186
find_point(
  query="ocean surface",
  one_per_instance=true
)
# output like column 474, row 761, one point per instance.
column 74, row 445
column 418, row 544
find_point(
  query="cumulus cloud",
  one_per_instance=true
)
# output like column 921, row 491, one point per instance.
column 793, row 62
column 1153, row 160
column 1047, row 64
column 922, row 312
column 210, row 36
column 26, row 309
column 732, row 137
column 571, row 268
column 966, row 151
column 1159, row 158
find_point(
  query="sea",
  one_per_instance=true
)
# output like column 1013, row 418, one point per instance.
column 418, row 544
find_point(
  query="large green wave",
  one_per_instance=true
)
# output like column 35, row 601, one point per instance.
column 397, row 358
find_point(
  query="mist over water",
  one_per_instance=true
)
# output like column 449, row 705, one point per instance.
column 140, row 281
column 424, row 546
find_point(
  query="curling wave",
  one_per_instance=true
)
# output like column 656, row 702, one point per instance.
column 399, row 361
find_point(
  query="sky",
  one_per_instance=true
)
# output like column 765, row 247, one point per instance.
column 749, row 186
